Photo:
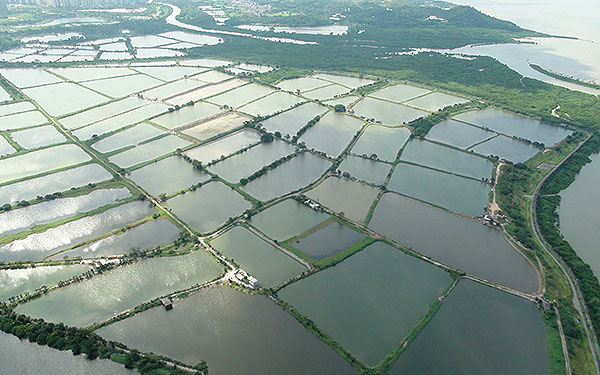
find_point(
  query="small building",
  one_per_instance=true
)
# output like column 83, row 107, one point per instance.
column 253, row 282
column 167, row 303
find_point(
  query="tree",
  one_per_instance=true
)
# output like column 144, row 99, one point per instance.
column 266, row 138
column 339, row 108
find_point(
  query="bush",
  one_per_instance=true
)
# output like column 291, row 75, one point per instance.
column 339, row 108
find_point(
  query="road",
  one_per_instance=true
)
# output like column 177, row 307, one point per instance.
column 578, row 301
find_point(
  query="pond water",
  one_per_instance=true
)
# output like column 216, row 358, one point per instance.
column 458, row 134
column 332, row 133
column 352, row 82
column 569, row 57
column 224, row 146
column 435, row 101
column 507, row 148
column 16, row 358
column 187, row 115
column 168, row 176
column 51, row 98
column 513, row 125
column 39, row 245
column 399, row 93
column 386, row 112
column 479, row 330
column 326, row 92
column 195, row 38
column 302, row 84
column 112, row 292
column 86, row 73
column 38, row 137
column 18, row 281
column 208, row 63
column 381, row 293
column 128, row 137
column 354, row 203
column 117, row 122
column 367, row 170
column 25, row 77
column 220, row 125
column 61, row 181
column 242, row 95
column 206, row 91
column 440, row 157
column 7, row 109
column 208, row 207
column 199, row 327
column 269, row 265
column 452, row 192
column 145, row 41
column 5, row 147
column 41, row 161
column 169, row 73
column 344, row 100
column 459, row 242
column 51, row 211
column 173, row 88
column 327, row 241
column 146, row 236
column 273, row 103
column 122, row 86
column 291, row 121
column 99, row 113
column 212, row 76
column 4, row 96
column 579, row 214
column 243, row 165
column 22, row 120
column 148, row 151
column 381, row 141
column 290, row 176
column 287, row 219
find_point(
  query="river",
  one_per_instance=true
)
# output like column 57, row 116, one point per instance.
column 579, row 214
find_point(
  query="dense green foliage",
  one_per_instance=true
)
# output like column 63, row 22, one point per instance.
column 275, row 76
column 547, row 214
column 565, row 175
column 391, row 24
column 563, row 77
column 78, row 341
column 511, row 189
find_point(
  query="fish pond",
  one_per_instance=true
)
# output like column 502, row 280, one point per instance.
column 381, row 293
column 327, row 241
column 145, row 236
column 14, row 282
column 292, row 175
column 456, row 241
column 479, row 331
column 60, row 181
column 266, row 263
column 112, row 292
column 208, row 207
column 354, row 203
column 167, row 176
column 287, row 219
column 441, row 189
column 265, row 338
